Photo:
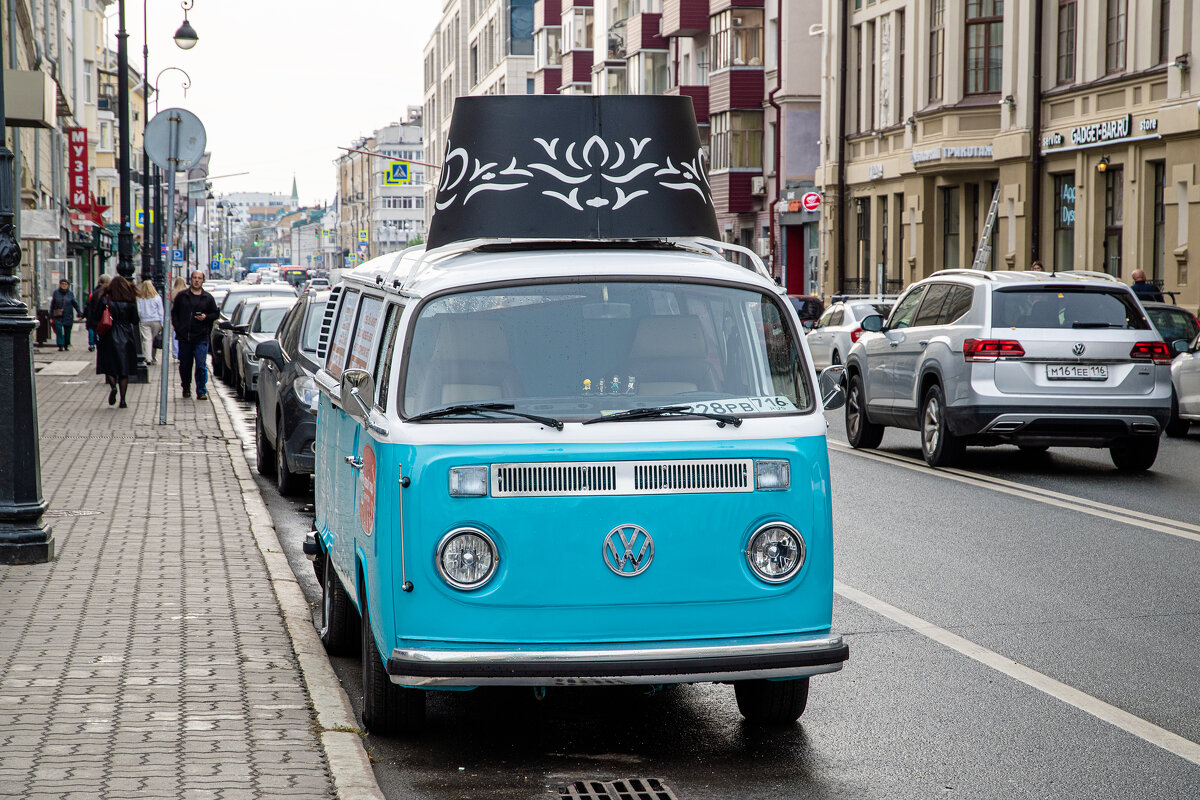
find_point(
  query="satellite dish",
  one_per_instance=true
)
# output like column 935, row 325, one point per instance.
column 175, row 139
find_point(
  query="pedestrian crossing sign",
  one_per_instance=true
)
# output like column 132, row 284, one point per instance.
column 362, row 236
column 397, row 174
column 139, row 218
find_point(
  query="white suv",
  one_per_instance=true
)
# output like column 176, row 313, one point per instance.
column 1026, row 358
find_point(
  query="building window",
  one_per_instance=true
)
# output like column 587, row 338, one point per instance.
column 864, row 248
column 859, row 43
column 900, row 39
column 738, row 38
column 950, row 228
column 1164, row 33
column 547, row 50
column 577, row 29
column 937, row 47
column 1114, row 40
column 1114, row 218
column 737, row 140
column 1159, row 253
column 871, row 76
column 520, row 28
column 883, row 244
column 985, row 45
column 648, row 73
column 1066, row 41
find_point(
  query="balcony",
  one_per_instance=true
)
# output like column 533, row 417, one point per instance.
column 684, row 18
column 699, row 95
column 576, row 67
column 735, row 88
column 547, row 80
column 731, row 191
column 642, row 33
column 547, row 14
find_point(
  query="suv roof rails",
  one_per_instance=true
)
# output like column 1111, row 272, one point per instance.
column 978, row 273
column 838, row 298
column 1086, row 273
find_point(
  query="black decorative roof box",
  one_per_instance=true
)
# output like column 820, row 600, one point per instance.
column 558, row 167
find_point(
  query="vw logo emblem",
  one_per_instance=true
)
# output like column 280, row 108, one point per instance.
column 628, row 550
column 1078, row 348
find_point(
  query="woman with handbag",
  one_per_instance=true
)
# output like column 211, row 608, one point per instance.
column 116, row 354
column 63, row 307
column 91, row 313
column 150, row 312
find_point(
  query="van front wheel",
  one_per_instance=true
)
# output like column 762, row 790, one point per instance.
column 388, row 709
column 764, row 702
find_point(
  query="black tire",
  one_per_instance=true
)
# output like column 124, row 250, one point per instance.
column 836, row 360
column 1134, row 454
column 338, row 631
column 860, row 431
column 263, row 452
column 764, row 702
column 939, row 445
column 287, row 482
column 218, row 369
column 1176, row 428
column 388, row 709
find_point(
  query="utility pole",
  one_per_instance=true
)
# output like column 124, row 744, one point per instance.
column 125, row 237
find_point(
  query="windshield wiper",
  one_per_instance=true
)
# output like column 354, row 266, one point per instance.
column 667, row 411
column 480, row 408
column 1096, row 325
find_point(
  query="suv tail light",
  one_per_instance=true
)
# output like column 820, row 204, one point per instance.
column 854, row 334
column 1158, row 352
column 992, row 349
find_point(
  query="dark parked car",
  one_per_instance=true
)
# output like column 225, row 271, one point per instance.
column 808, row 307
column 227, row 304
column 262, row 325
column 233, row 329
column 285, row 431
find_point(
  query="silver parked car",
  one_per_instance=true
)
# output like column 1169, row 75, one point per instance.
column 831, row 336
column 1185, row 379
column 1026, row 358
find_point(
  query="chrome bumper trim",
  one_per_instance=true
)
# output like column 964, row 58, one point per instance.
column 790, row 658
column 1013, row 423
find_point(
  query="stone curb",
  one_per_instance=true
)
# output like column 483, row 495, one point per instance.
column 349, row 765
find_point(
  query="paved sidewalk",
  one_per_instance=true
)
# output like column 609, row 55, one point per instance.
column 151, row 659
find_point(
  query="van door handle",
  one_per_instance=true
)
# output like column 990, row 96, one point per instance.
column 354, row 463
column 924, row 343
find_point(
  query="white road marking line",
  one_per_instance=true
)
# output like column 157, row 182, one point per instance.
column 1183, row 530
column 1146, row 731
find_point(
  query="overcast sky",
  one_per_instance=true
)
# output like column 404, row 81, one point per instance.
column 279, row 85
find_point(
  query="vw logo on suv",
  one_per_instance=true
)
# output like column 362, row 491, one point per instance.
column 628, row 550
column 1078, row 348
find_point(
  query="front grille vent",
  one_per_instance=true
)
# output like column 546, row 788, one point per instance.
column 629, row 789
column 594, row 478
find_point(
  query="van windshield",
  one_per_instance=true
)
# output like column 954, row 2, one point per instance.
column 1069, row 307
column 581, row 350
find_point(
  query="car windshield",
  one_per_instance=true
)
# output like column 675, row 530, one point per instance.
column 1173, row 323
column 269, row 319
column 233, row 298
column 1066, row 307
column 576, row 351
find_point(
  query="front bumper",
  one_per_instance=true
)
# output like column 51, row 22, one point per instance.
column 1057, row 425
column 777, row 657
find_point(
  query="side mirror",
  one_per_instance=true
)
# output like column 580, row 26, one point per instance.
column 358, row 393
column 270, row 349
column 808, row 324
column 833, row 396
column 243, row 329
column 1181, row 346
column 225, row 325
column 873, row 323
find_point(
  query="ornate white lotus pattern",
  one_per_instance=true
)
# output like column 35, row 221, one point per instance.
column 572, row 167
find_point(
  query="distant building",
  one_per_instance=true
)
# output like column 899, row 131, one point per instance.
column 398, row 202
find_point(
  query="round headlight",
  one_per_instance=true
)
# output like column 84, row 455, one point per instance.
column 776, row 552
column 467, row 558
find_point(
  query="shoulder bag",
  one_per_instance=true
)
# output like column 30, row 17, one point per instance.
column 106, row 321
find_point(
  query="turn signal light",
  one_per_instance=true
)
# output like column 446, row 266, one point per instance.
column 854, row 334
column 992, row 349
column 1158, row 352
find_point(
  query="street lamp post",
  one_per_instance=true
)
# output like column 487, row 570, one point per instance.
column 24, row 537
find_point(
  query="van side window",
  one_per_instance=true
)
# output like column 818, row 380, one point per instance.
column 383, row 366
column 341, row 338
column 366, row 331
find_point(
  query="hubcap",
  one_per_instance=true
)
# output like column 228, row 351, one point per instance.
column 853, row 412
column 933, row 425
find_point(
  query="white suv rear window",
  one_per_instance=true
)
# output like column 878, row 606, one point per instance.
column 1069, row 307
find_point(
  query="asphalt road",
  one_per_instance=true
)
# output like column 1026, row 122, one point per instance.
column 1020, row 627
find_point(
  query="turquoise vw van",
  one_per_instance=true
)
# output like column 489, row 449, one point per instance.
column 589, row 452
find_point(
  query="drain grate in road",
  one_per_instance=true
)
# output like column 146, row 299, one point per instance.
column 70, row 512
column 622, row 789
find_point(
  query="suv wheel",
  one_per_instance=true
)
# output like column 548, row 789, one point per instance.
column 263, row 452
column 940, row 447
column 860, row 431
column 1134, row 454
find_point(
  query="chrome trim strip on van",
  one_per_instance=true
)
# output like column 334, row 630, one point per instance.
column 796, row 657
column 593, row 478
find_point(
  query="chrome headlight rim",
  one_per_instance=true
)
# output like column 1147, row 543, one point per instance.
column 440, row 550
column 801, row 559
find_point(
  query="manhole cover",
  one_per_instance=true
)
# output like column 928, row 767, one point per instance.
column 69, row 512
column 621, row 789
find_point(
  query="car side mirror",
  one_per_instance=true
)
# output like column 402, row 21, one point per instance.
column 833, row 396
column 1181, row 346
column 872, row 323
column 225, row 325
column 241, row 328
column 270, row 349
column 809, row 324
column 358, row 393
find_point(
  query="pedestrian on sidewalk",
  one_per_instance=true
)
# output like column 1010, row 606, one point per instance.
column 178, row 285
column 116, row 354
column 150, row 312
column 1144, row 289
column 91, row 314
column 63, row 307
column 192, row 314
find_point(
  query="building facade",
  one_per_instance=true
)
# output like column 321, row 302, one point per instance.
column 1081, row 123
column 398, row 202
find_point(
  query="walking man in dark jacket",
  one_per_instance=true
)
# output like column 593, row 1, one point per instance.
column 63, row 307
column 193, row 314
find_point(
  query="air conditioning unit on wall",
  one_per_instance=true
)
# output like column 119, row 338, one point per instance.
column 762, row 246
column 758, row 185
